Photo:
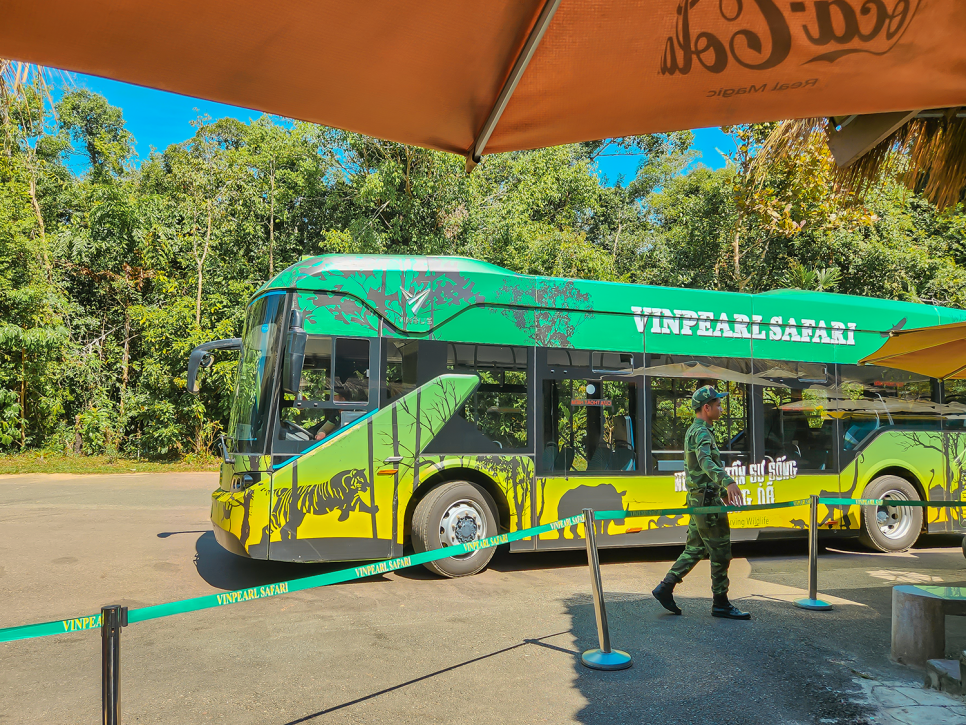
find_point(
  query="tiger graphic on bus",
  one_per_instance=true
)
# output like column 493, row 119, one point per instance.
column 343, row 492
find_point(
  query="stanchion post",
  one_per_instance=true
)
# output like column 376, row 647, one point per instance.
column 603, row 658
column 112, row 619
column 813, row 602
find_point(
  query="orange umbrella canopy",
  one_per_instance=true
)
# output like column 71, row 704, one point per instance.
column 938, row 352
column 500, row 75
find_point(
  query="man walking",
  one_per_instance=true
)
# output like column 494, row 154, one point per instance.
column 709, row 535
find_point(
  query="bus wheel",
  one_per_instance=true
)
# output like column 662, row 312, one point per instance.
column 890, row 528
column 455, row 513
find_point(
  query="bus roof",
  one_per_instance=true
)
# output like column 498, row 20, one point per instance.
column 422, row 295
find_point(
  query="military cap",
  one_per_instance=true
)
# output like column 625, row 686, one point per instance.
column 705, row 395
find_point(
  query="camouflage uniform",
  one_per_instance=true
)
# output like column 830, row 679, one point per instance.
column 709, row 535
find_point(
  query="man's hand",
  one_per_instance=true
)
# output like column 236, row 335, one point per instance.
column 735, row 496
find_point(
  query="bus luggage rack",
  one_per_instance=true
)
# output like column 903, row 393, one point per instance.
column 113, row 618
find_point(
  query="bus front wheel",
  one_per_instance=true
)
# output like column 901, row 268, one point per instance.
column 890, row 528
column 454, row 513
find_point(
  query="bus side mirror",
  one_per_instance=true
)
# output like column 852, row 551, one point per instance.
column 294, row 359
column 201, row 357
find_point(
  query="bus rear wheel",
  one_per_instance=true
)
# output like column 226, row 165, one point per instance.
column 455, row 513
column 890, row 528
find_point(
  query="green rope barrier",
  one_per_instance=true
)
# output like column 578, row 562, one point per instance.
column 63, row 626
column 896, row 503
column 611, row 515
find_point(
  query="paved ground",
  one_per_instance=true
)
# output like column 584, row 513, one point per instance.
column 501, row 647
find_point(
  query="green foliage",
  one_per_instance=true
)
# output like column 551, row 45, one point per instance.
column 800, row 277
column 98, row 128
column 109, row 277
column 9, row 418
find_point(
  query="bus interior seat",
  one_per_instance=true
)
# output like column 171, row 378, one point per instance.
column 857, row 433
column 601, row 458
column 549, row 455
column 623, row 440
column 624, row 459
column 564, row 460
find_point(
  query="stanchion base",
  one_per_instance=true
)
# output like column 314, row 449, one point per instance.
column 816, row 604
column 613, row 660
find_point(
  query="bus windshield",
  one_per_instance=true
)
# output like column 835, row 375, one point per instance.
column 248, row 423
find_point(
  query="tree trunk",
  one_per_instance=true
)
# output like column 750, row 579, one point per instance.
column 125, row 358
column 735, row 244
column 23, row 399
column 201, row 266
column 271, row 223
column 40, row 223
column 409, row 189
column 78, row 438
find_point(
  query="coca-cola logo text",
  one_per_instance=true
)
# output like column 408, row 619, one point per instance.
column 763, row 34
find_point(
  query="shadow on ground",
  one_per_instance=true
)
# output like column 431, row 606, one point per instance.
column 692, row 669
column 539, row 642
column 224, row 570
column 698, row 669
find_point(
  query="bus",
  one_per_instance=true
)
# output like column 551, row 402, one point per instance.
column 388, row 402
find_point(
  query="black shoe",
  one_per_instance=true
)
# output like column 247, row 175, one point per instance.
column 727, row 610
column 665, row 595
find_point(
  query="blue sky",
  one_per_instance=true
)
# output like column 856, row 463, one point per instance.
column 158, row 119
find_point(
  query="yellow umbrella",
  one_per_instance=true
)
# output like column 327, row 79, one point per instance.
column 937, row 352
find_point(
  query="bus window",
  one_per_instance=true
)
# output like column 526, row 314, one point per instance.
column 954, row 404
column 795, row 418
column 253, row 388
column 351, row 376
column 316, row 380
column 400, row 367
column 589, row 426
column 333, row 391
column 496, row 417
column 671, row 384
column 869, row 398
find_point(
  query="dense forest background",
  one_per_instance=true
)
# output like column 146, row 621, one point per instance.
column 112, row 267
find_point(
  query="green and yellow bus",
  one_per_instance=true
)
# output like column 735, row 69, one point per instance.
column 383, row 402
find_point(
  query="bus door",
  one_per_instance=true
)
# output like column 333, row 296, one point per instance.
column 589, row 442
column 324, row 490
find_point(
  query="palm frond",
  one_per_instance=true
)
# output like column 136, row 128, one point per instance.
column 16, row 77
column 928, row 155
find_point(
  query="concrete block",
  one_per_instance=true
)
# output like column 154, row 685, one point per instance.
column 944, row 675
column 918, row 626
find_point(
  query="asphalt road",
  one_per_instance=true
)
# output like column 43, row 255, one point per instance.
column 500, row 647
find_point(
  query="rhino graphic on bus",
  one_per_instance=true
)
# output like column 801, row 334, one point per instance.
column 604, row 497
